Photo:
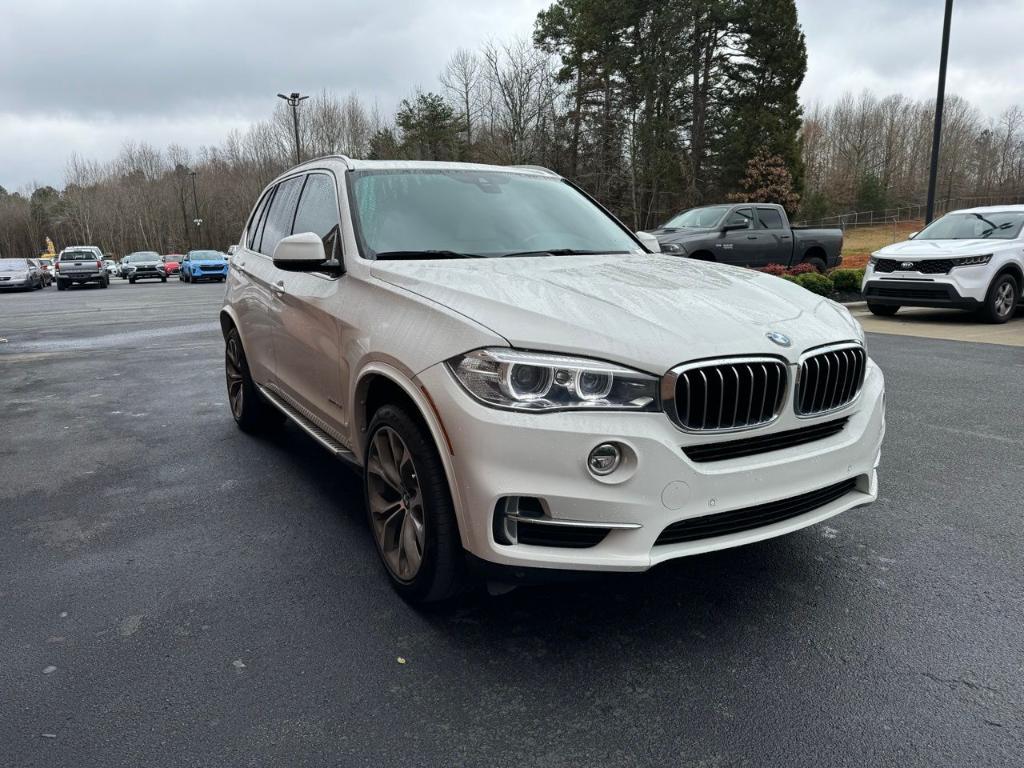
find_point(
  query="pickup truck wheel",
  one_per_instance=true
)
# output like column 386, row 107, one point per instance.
column 883, row 310
column 61, row 285
column 251, row 412
column 818, row 264
column 410, row 509
column 1001, row 300
column 104, row 282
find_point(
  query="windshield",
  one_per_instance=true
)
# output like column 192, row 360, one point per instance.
column 143, row 256
column 13, row 265
column 442, row 213
column 206, row 255
column 698, row 218
column 972, row 226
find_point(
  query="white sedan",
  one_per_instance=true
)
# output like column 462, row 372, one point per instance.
column 971, row 259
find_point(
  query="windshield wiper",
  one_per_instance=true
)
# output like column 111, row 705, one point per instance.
column 560, row 252
column 431, row 254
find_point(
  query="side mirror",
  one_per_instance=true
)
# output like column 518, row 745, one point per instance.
column 232, row 249
column 733, row 227
column 303, row 252
column 912, row 235
column 649, row 241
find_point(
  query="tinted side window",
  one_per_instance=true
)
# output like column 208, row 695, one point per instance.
column 743, row 216
column 256, row 223
column 318, row 212
column 770, row 218
column 280, row 215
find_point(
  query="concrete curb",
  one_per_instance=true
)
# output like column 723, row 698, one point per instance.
column 854, row 304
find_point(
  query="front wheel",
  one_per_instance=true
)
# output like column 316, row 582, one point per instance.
column 163, row 279
column 410, row 508
column 883, row 310
column 1001, row 300
column 131, row 280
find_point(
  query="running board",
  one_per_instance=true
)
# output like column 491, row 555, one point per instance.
column 307, row 426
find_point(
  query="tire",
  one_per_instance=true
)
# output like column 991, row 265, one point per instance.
column 39, row 285
column 818, row 264
column 105, row 282
column 163, row 279
column 61, row 285
column 883, row 310
column 1001, row 299
column 412, row 487
column 251, row 411
column 131, row 280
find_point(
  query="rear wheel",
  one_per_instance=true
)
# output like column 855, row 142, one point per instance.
column 251, row 411
column 61, row 285
column 1001, row 300
column 104, row 282
column 818, row 264
column 410, row 508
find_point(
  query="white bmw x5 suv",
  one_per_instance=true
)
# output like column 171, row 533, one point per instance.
column 526, row 387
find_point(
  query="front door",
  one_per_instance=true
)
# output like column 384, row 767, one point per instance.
column 307, row 341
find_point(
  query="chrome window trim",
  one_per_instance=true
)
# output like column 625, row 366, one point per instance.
column 813, row 352
column 671, row 378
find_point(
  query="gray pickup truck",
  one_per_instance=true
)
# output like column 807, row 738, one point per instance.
column 749, row 235
column 81, row 264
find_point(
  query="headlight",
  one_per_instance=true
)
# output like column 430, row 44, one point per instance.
column 672, row 248
column 872, row 260
column 970, row 261
column 533, row 381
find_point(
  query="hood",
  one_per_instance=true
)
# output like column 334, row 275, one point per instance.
column 671, row 235
column 942, row 248
column 647, row 311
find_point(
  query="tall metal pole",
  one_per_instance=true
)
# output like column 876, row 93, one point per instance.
column 293, row 101
column 933, row 172
column 195, row 204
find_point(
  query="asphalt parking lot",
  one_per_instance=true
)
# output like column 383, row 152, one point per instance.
column 176, row 593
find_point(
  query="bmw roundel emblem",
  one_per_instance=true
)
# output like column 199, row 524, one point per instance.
column 779, row 338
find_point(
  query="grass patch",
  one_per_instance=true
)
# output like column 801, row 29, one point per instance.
column 859, row 243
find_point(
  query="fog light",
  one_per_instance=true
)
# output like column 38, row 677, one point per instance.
column 604, row 459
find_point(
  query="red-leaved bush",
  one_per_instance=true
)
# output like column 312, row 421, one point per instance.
column 773, row 269
column 800, row 269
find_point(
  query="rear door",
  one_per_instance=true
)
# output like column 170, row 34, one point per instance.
column 307, row 337
column 253, row 272
column 776, row 243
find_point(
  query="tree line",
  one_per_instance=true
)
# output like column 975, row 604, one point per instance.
column 652, row 106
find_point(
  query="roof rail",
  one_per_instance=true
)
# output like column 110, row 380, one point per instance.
column 539, row 168
column 343, row 158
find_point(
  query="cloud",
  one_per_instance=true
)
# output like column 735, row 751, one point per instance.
column 86, row 75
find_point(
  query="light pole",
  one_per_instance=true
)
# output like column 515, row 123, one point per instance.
column 933, row 172
column 293, row 100
column 195, row 205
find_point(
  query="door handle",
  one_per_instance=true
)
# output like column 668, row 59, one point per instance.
column 751, row 237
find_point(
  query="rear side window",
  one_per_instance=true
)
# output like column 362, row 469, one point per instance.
column 258, row 219
column 770, row 218
column 281, row 215
column 318, row 212
column 78, row 256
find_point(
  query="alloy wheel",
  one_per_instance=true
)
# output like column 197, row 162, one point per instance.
column 233, row 371
column 1004, row 299
column 396, row 503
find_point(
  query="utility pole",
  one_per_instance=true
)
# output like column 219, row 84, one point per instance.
column 195, row 205
column 939, row 99
column 293, row 100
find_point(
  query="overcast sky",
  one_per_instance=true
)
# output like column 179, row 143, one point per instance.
column 87, row 75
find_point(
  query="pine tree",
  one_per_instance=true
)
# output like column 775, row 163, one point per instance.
column 764, row 112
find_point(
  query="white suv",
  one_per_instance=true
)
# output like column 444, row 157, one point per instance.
column 526, row 387
column 971, row 259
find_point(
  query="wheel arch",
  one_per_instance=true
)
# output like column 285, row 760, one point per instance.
column 1014, row 270
column 380, row 384
column 703, row 255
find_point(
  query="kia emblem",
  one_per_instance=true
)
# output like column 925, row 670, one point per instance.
column 907, row 265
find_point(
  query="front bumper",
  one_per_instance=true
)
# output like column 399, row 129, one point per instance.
column 961, row 288
column 497, row 454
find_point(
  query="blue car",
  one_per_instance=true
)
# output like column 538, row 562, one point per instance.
column 203, row 265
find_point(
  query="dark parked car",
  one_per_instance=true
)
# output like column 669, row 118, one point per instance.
column 143, row 265
column 749, row 235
